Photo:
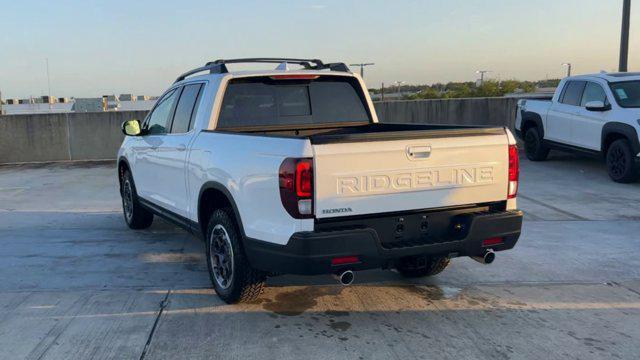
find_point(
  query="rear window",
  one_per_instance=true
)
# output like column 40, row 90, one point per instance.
column 264, row 102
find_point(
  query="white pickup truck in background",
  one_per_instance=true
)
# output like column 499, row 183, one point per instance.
column 289, row 172
column 593, row 114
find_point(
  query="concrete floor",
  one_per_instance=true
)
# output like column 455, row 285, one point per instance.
column 75, row 283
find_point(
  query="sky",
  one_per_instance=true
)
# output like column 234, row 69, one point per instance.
column 138, row 46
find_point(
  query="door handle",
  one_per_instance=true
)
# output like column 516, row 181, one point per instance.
column 181, row 147
column 419, row 152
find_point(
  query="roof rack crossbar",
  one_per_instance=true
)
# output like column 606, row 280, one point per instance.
column 306, row 63
column 212, row 68
column 219, row 67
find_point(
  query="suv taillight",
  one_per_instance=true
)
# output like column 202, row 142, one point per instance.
column 296, row 187
column 514, row 172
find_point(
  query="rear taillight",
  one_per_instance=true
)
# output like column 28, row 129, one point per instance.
column 514, row 172
column 296, row 187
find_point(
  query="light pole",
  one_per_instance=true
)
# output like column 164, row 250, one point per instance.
column 568, row 65
column 624, row 35
column 482, row 72
column 362, row 65
column 398, row 83
column 48, row 82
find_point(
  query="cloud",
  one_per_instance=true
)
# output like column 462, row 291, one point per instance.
column 318, row 6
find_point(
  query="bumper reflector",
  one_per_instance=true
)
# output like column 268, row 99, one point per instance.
column 345, row 260
column 492, row 241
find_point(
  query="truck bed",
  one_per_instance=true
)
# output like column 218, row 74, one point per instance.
column 371, row 132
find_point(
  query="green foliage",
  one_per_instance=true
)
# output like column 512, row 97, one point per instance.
column 490, row 88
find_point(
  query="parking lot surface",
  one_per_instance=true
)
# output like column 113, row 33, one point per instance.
column 76, row 283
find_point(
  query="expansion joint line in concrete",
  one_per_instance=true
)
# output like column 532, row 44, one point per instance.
column 163, row 305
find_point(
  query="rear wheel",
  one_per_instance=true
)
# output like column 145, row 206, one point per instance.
column 135, row 215
column 422, row 266
column 231, row 275
column 534, row 148
column 621, row 162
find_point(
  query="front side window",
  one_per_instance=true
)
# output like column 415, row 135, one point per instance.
column 593, row 92
column 573, row 93
column 186, row 109
column 160, row 117
column 627, row 93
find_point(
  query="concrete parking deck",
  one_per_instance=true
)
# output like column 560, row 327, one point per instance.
column 76, row 283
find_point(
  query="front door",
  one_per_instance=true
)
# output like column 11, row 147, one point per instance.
column 172, row 155
column 587, row 129
column 147, row 167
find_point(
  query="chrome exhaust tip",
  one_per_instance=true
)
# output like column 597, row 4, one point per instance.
column 488, row 257
column 345, row 278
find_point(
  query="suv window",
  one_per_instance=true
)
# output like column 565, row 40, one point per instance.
column 573, row 93
column 160, row 117
column 186, row 109
column 263, row 101
column 593, row 92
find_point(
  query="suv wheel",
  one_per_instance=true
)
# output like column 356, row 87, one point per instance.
column 534, row 148
column 135, row 215
column 422, row 266
column 231, row 275
column 621, row 162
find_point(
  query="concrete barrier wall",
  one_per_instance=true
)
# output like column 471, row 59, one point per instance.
column 62, row 137
column 473, row 111
column 97, row 136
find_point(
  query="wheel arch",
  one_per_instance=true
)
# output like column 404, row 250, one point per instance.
column 123, row 165
column 531, row 119
column 213, row 195
column 616, row 130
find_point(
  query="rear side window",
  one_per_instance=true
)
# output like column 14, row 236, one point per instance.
column 186, row 109
column 265, row 102
column 573, row 93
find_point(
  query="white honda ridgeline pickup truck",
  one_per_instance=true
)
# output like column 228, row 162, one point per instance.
column 595, row 114
column 290, row 172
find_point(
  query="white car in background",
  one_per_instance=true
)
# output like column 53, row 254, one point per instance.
column 595, row 114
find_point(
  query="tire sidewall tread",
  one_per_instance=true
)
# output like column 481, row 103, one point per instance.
column 247, row 283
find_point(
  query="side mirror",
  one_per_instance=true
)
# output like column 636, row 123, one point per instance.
column 131, row 128
column 597, row 106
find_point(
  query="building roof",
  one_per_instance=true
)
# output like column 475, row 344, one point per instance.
column 37, row 108
column 138, row 105
column 88, row 105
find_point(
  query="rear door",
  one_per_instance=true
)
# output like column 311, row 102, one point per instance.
column 564, row 112
column 439, row 170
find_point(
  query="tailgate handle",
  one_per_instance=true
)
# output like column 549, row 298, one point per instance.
column 419, row 152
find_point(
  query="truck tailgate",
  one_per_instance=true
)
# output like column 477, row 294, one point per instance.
column 418, row 172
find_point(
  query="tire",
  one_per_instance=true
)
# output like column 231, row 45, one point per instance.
column 135, row 215
column 621, row 162
column 534, row 148
column 421, row 267
column 232, row 276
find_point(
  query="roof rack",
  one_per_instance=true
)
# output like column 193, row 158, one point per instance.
column 219, row 67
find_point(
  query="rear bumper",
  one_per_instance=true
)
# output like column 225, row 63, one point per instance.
column 310, row 253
